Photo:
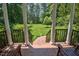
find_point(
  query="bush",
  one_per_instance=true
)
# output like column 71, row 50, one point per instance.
column 60, row 21
column 17, row 26
column 63, row 21
column 47, row 20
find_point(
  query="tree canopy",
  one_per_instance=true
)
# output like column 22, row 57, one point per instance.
column 41, row 13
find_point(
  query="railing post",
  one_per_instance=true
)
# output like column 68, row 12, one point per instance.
column 24, row 11
column 68, row 39
column 6, row 21
column 53, row 16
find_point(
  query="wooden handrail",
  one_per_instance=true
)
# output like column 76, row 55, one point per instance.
column 61, row 34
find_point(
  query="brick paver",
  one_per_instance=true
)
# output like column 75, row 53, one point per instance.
column 40, row 48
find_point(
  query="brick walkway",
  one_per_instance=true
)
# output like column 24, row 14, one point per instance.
column 40, row 48
column 40, row 41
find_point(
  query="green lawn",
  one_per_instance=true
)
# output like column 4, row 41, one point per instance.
column 39, row 30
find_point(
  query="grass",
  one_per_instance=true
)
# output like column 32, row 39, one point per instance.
column 39, row 30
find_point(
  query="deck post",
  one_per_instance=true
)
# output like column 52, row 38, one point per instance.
column 6, row 21
column 53, row 16
column 24, row 11
column 69, row 34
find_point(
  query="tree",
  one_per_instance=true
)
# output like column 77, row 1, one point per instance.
column 37, row 13
column 31, row 13
column 43, row 10
column 63, row 14
column 76, row 21
column 1, row 15
column 15, row 13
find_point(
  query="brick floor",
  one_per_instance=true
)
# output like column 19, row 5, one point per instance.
column 40, row 48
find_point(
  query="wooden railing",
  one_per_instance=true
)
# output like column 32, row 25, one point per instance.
column 3, row 39
column 61, row 35
column 75, row 37
column 17, row 37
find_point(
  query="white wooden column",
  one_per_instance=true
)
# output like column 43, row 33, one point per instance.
column 24, row 11
column 53, row 16
column 6, row 21
column 68, row 39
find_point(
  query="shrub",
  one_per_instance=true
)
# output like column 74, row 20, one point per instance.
column 17, row 26
column 47, row 20
column 60, row 21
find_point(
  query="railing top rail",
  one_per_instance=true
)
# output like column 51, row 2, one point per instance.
column 62, row 29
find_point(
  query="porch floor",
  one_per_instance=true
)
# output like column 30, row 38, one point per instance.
column 39, row 48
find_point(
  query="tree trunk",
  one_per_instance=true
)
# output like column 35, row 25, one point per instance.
column 6, row 21
column 53, row 16
column 24, row 10
column 69, row 34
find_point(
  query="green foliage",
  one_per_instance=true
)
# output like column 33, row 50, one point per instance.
column 40, row 13
column 63, row 21
column 60, row 21
column 1, row 27
column 14, row 13
column 37, row 13
column 17, row 26
column 47, row 20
